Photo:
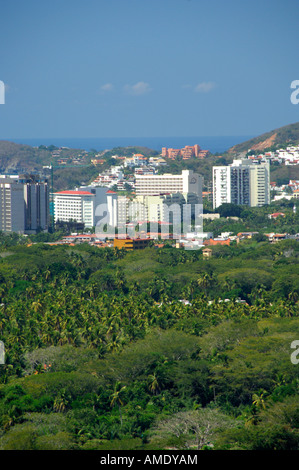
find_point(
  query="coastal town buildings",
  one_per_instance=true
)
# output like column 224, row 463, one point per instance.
column 186, row 182
column 243, row 182
column 185, row 153
column 284, row 156
column 24, row 203
column 74, row 206
column 161, row 198
column 131, row 243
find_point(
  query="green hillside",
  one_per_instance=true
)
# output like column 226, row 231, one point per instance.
column 78, row 169
column 286, row 135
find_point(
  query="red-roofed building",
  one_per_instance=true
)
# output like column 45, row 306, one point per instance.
column 276, row 214
column 75, row 193
column 276, row 237
column 212, row 242
column 74, row 206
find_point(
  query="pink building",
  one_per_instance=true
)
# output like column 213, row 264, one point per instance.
column 187, row 152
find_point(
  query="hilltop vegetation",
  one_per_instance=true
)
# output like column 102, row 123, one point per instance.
column 24, row 158
column 101, row 352
column 277, row 138
column 129, row 151
column 19, row 158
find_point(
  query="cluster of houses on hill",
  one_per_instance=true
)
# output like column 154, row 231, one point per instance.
column 287, row 156
column 285, row 191
column 119, row 179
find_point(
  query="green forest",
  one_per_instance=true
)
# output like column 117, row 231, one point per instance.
column 151, row 349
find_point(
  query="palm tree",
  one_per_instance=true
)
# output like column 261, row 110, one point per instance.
column 154, row 385
column 47, row 274
column 61, row 402
column 204, row 282
column 259, row 400
column 36, row 306
column 293, row 296
column 30, row 291
column 10, row 418
column 116, row 399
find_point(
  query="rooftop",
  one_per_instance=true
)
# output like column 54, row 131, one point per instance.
column 75, row 193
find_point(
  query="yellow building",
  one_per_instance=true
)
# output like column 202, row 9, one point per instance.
column 131, row 243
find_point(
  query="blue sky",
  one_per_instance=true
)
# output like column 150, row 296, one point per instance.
column 124, row 68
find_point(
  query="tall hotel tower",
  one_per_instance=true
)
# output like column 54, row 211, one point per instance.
column 243, row 182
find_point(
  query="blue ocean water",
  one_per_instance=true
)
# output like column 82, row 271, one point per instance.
column 213, row 144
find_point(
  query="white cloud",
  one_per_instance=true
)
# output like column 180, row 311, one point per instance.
column 107, row 87
column 140, row 88
column 204, row 87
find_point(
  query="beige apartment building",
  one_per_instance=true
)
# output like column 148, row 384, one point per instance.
column 243, row 182
column 186, row 182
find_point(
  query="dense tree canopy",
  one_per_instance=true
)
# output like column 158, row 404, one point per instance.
column 157, row 348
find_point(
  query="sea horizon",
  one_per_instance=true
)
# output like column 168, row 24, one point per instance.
column 215, row 144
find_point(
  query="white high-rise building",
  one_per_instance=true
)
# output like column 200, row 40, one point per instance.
column 75, row 206
column 243, row 182
column 259, row 184
column 152, row 185
column 111, row 197
column 102, row 198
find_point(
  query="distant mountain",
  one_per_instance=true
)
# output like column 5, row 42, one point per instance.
column 281, row 137
column 15, row 157
column 24, row 158
column 19, row 158
column 72, row 167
